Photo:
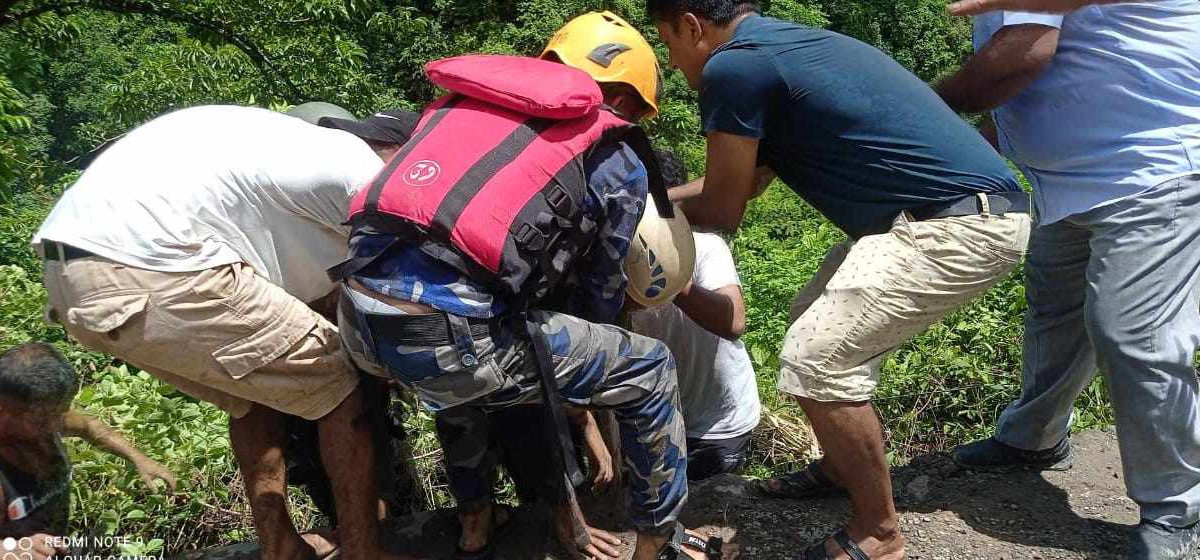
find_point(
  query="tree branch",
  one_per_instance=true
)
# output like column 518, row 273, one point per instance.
column 5, row 7
column 260, row 60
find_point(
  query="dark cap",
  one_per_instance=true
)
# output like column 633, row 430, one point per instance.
column 384, row 127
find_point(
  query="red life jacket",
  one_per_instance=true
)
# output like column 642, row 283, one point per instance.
column 492, row 181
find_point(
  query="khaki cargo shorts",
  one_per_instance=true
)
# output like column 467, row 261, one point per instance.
column 871, row 296
column 223, row 335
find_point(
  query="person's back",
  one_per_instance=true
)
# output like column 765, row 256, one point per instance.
column 195, row 249
column 1131, row 71
column 215, row 185
column 850, row 129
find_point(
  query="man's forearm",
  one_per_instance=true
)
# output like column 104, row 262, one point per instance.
column 1001, row 70
column 99, row 434
column 701, row 212
column 684, row 192
column 719, row 312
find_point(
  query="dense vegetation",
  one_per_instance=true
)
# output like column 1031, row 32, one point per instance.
column 76, row 74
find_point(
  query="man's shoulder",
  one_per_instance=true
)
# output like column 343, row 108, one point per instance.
column 614, row 164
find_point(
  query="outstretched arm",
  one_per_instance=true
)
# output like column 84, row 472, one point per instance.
column 92, row 430
column 732, row 178
column 1009, row 62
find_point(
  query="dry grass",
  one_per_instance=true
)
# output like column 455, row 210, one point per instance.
column 783, row 439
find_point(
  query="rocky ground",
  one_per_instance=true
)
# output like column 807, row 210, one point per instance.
column 947, row 513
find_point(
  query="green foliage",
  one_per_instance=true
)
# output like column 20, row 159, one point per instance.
column 76, row 75
column 186, row 436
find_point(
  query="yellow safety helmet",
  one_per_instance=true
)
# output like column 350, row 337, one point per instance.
column 611, row 51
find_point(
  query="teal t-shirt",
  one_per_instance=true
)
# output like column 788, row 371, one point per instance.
column 849, row 129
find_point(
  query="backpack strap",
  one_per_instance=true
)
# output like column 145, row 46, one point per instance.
column 636, row 137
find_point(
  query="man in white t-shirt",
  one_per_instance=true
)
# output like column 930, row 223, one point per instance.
column 195, row 248
column 717, row 388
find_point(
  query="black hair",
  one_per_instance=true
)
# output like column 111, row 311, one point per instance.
column 674, row 172
column 37, row 374
column 720, row 12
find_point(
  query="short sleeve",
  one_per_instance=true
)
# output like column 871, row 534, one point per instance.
column 735, row 91
column 1022, row 18
column 987, row 25
column 715, row 268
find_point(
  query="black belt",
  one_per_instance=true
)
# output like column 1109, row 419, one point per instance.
column 55, row 251
column 1016, row 202
column 432, row 329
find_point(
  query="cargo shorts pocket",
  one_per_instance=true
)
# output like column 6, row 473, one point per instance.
column 105, row 313
column 437, row 375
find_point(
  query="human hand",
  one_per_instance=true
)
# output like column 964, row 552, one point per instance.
column 592, row 544
column 603, row 473
column 42, row 549
column 150, row 472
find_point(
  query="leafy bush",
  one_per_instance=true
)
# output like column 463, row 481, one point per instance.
column 77, row 77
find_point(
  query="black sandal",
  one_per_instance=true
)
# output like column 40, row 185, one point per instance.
column 502, row 514
column 671, row 551
column 817, row 551
column 811, row 482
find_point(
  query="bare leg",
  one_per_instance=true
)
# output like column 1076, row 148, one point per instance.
column 853, row 441
column 348, row 452
column 258, row 440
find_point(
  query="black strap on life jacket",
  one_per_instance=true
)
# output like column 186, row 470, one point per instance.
column 559, row 427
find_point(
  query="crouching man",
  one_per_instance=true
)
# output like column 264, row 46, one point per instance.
column 701, row 327
column 190, row 250
column 457, row 239
column 37, row 386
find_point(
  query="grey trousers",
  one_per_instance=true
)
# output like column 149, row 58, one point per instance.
column 1115, row 289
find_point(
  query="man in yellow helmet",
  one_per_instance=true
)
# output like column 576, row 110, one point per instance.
column 580, row 354
column 616, row 55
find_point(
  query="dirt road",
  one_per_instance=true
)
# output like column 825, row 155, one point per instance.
column 947, row 513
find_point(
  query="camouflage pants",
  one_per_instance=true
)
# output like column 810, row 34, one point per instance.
column 595, row 366
column 476, row 441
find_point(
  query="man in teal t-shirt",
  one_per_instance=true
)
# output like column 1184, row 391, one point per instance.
column 934, row 215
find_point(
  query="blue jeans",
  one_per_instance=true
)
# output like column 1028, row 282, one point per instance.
column 1115, row 289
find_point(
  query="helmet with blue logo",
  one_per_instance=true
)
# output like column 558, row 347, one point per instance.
column 661, row 257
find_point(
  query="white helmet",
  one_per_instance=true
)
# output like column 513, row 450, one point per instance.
column 661, row 257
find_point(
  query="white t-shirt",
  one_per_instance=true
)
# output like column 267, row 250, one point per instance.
column 716, row 378
column 214, row 185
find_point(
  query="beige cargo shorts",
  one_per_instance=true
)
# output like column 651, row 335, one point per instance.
column 872, row 295
column 223, row 335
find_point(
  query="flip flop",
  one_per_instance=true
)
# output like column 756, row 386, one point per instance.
column 817, row 551
column 811, row 482
column 681, row 538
